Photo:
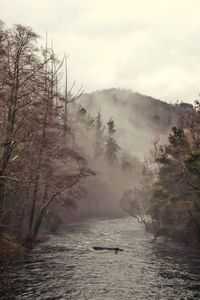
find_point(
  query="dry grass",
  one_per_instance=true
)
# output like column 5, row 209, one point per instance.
column 9, row 246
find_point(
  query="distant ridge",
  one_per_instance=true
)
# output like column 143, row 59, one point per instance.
column 145, row 109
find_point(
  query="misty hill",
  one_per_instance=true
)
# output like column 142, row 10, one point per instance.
column 138, row 118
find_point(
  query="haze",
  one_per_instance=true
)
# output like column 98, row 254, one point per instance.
column 148, row 46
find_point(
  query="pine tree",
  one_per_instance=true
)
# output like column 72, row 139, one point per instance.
column 112, row 147
column 99, row 138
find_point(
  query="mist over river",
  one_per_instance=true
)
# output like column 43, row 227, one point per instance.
column 66, row 266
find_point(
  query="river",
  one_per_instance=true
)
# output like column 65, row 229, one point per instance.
column 66, row 266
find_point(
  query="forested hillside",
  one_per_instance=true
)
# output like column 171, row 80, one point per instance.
column 66, row 155
column 139, row 118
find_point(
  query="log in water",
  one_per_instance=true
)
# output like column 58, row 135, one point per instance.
column 116, row 249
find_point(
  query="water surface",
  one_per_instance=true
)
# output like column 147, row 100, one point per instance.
column 66, row 266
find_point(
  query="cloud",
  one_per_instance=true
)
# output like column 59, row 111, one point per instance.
column 150, row 46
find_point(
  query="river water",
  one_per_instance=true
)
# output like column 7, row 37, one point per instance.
column 66, row 266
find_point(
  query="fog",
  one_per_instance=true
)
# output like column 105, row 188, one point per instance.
column 99, row 149
column 139, row 120
column 108, row 49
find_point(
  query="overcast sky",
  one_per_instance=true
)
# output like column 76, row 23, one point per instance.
column 149, row 46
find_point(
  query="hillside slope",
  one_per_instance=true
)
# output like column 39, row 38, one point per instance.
column 139, row 119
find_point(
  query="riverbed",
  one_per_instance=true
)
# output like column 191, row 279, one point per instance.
column 67, row 267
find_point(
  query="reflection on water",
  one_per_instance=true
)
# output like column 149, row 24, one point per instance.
column 66, row 267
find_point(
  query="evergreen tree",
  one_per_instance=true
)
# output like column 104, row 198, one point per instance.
column 99, row 138
column 112, row 147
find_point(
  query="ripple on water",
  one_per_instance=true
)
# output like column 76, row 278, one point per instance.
column 66, row 266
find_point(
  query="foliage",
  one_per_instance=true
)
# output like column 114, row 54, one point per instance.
column 192, row 162
column 177, row 137
column 112, row 147
column 9, row 246
column 161, row 155
column 175, row 195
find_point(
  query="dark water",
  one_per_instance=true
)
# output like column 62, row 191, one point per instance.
column 66, row 267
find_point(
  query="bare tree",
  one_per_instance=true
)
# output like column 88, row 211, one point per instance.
column 70, row 97
column 132, row 203
column 20, row 68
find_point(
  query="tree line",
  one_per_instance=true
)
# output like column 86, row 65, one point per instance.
column 43, row 163
column 33, row 124
column 174, row 200
column 167, row 202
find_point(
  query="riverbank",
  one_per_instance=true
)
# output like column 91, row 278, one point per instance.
column 180, row 237
column 9, row 246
